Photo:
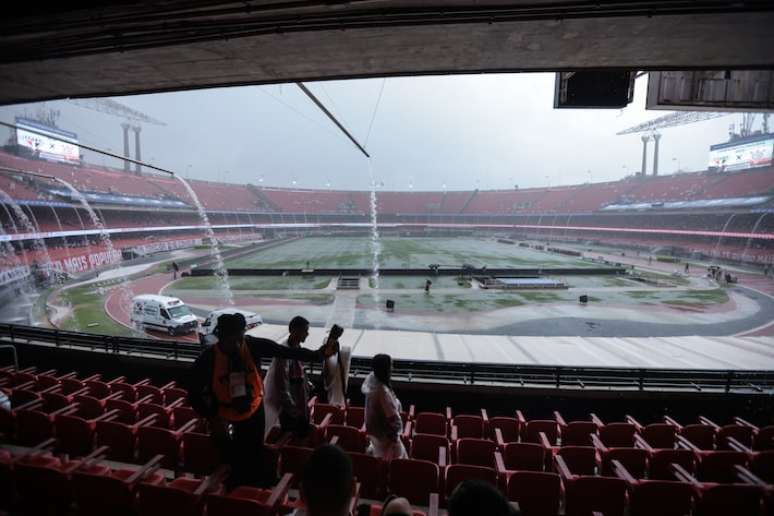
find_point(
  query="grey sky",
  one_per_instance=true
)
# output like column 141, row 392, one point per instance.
column 486, row 131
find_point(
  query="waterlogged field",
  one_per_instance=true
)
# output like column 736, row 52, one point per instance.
column 416, row 253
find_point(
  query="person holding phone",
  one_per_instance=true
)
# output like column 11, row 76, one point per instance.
column 225, row 387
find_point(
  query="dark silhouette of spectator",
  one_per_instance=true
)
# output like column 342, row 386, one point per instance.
column 476, row 497
column 326, row 485
column 382, row 411
column 175, row 270
column 428, row 283
column 225, row 387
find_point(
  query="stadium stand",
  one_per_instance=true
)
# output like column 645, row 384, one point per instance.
column 140, row 441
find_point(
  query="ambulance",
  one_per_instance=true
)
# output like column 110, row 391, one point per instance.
column 163, row 313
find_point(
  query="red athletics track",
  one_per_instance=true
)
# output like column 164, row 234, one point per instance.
column 149, row 285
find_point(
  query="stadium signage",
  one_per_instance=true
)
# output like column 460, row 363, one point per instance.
column 63, row 149
column 86, row 262
column 751, row 152
column 11, row 275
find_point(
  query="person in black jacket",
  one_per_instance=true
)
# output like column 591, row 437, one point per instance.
column 225, row 387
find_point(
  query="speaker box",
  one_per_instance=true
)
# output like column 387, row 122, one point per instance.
column 599, row 89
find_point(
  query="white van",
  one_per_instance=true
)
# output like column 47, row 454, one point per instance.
column 162, row 313
column 208, row 326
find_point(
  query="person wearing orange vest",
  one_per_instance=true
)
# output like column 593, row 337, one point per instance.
column 225, row 387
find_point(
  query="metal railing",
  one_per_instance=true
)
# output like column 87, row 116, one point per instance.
column 471, row 373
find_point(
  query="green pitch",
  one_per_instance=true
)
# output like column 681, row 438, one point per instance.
column 396, row 252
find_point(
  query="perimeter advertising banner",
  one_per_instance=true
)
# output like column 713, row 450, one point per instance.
column 42, row 141
column 744, row 153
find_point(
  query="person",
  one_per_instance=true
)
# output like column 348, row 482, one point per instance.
column 287, row 389
column 475, row 497
column 326, row 483
column 427, row 286
column 687, row 267
column 225, row 388
column 396, row 506
column 175, row 270
column 336, row 376
column 382, row 411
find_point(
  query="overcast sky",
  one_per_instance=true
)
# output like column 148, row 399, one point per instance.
column 473, row 131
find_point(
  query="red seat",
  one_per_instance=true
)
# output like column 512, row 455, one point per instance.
column 659, row 435
column 43, row 474
column 355, row 416
column 635, row 460
column 762, row 464
column 476, row 452
column 75, row 435
column 468, row 426
column 524, row 456
column 581, row 460
column 153, row 440
column 371, row 473
column 414, row 479
column 179, row 497
column 456, row 473
column 718, row 466
column 425, row 447
column 578, row 433
column 726, row 499
column 292, row 460
column 764, row 439
column 158, row 394
column 200, row 455
column 586, row 494
column 249, row 501
column 430, row 423
column 537, row 493
column 659, row 464
column 619, row 435
column 509, row 427
column 320, row 410
column 182, row 415
column 702, row 436
column 349, row 438
column 537, row 426
column 120, row 438
column 742, row 434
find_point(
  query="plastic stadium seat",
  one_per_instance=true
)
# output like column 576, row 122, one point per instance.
column 662, row 497
column 129, row 410
column 33, row 425
column 72, row 384
column 476, row 452
column 585, row 494
column 414, row 479
column 581, row 460
column 535, row 427
column 174, row 393
column 154, row 440
column 355, row 416
column 90, row 406
column 120, row 438
column 102, row 389
column 292, row 460
column 75, row 435
column 537, row 493
column 575, row 433
column 56, row 399
column 509, row 427
column 635, row 460
column 659, row 464
column 159, row 394
column 320, row 410
column 762, row 464
column 129, row 390
column 249, row 501
column 456, row 473
column 723, row 499
column 524, row 456
column 656, row 435
column 425, row 447
column 181, row 497
column 430, row 423
column 371, row 472
column 112, row 492
column 618, row 435
column 182, row 415
column 200, row 456
column 467, row 426
column 700, row 435
column 718, row 466
column 349, row 438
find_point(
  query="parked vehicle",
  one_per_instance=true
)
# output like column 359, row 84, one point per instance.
column 206, row 336
column 163, row 313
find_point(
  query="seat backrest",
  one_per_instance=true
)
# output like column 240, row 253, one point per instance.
column 509, row 427
column 581, row 460
column 469, row 426
column 587, row 494
column 200, row 456
column 660, row 435
column 524, row 456
column 163, row 500
column 718, row 466
column 145, row 390
column 660, row 463
column 320, row 410
column 456, row 473
column 536, row 426
column 578, row 433
column 662, row 497
column 355, row 416
column 703, row 436
column 477, row 452
column 100, row 494
column 425, row 447
column 152, row 441
column 292, row 460
column 725, row 499
column 764, row 439
column 33, row 426
column 74, row 435
column 119, row 438
column 32, row 480
column 240, row 505
column 741, row 433
column 371, row 473
column 537, row 493
column 762, row 465
column 414, row 479
column 163, row 418
column 430, row 423
column 350, row 438
column 618, row 434
column 635, row 460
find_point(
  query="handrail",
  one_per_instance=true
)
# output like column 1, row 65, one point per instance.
column 518, row 375
column 15, row 355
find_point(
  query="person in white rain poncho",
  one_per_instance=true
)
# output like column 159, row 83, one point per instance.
column 336, row 376
column 382, row 411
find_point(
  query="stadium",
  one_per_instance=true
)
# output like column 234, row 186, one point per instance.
column 586, row 347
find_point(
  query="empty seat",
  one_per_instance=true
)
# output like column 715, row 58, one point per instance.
column 371, row 473
column 524, row 456
column 426, row 446
column 292, row 460
column 535, row 427
column 181, row 497
column 414, row 479
column 249, row 501
column 585, row 494
column 477, row 452
column 537, row 493
column 581, row 460
column 348, row 438
column 430, row 423
column 509, row 427
column 466, row 426
column 200, row 456
column 649, row 497
column 660, row 461
column 718, row 466
column 355, row 416
column 456, row 473
column 320, row 410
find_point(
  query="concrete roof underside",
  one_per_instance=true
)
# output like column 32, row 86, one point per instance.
column 89, row 48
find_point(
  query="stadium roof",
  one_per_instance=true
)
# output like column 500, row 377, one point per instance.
column 92, row 48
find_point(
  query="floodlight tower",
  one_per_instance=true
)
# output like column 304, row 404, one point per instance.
column 111, row 107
